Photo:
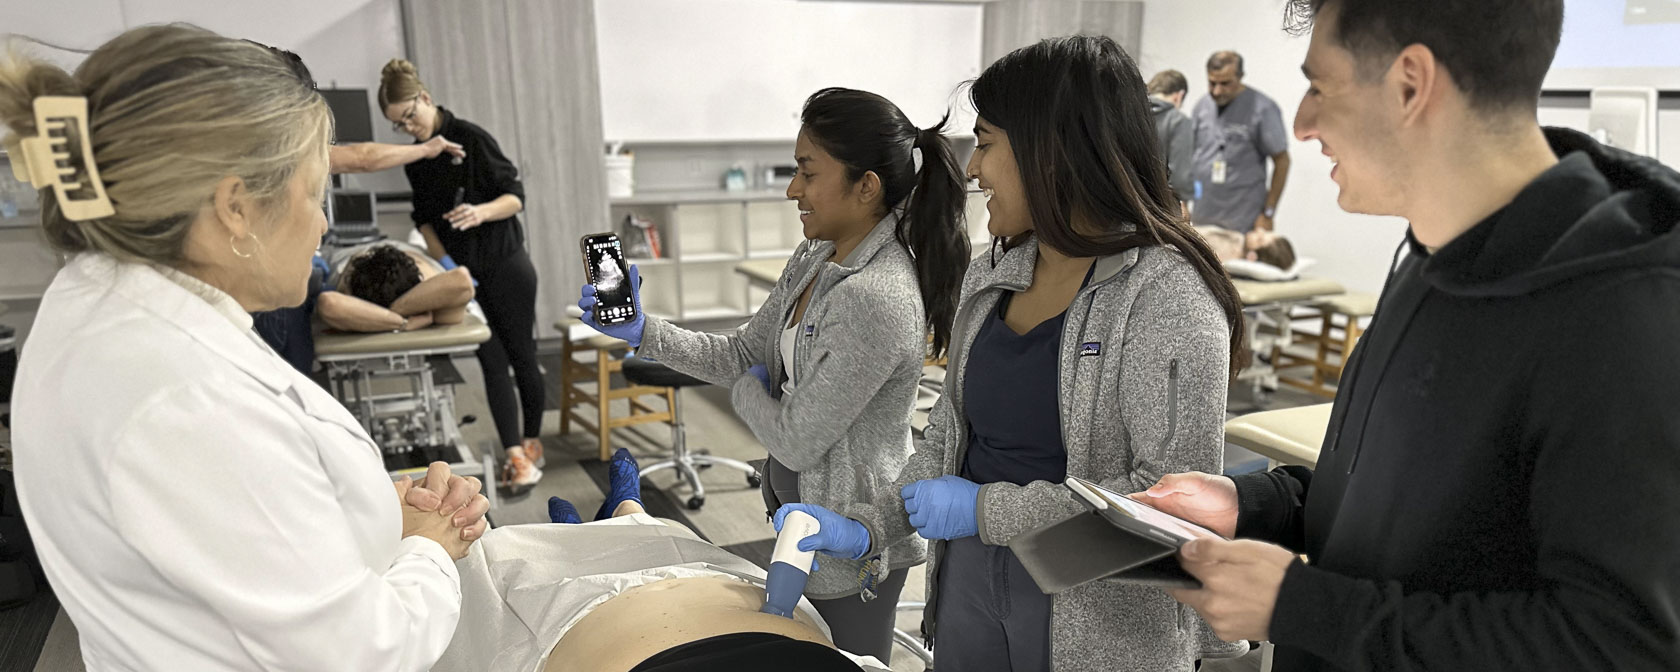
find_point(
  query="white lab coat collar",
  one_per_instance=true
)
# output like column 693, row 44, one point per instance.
column 204, row 313
column 218, row 299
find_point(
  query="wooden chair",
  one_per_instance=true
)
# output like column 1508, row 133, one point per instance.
column 1339, row 331
column 590, row 383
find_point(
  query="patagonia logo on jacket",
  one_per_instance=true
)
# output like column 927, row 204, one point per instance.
column 1091, row 349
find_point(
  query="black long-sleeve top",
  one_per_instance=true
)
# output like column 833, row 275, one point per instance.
column 484, row 175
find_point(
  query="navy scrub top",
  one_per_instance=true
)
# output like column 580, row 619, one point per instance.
column 1010, row 391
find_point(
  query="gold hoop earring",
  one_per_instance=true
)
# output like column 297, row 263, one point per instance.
column 235, row 248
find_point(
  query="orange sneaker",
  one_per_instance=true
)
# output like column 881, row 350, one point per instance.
column 518, row 472
column 534, row 452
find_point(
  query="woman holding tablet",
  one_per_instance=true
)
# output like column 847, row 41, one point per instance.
column 1098, row 343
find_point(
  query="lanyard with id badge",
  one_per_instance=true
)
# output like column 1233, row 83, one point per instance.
column 1219, row 166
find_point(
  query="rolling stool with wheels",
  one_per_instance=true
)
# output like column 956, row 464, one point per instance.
column 643, row 372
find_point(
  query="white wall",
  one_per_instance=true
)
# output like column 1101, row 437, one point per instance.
column 1574, row 116
column 1352, row 249
column 1643, row 55
column 718, row 70
column 344, row 42
column 1180, row 34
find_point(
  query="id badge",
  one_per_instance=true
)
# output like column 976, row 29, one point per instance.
column 1219, row 170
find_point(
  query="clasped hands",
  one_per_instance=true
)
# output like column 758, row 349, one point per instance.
column 443, row 507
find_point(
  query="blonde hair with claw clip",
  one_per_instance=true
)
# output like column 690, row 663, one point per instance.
column 171, row 110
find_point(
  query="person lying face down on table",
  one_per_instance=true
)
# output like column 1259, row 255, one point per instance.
column 1259, row 245
column 393, row 287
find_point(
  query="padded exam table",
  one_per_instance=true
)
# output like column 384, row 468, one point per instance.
column 413, row 420
column 1290, row 436
column 1274, row 303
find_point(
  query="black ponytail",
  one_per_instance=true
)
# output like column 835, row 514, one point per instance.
column 867, row 133
column 933, row 229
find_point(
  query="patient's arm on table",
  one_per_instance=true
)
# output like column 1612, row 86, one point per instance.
column 348, row 313
column 445, row 295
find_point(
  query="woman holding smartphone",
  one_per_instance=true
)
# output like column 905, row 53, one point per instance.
column 1098, row 342
column 467, row 210
column 825, row 373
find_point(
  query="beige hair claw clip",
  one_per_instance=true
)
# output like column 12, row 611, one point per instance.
column 62, row 157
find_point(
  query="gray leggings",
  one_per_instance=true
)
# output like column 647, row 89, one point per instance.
column 863, row 628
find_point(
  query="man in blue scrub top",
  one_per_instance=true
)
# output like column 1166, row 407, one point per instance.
column 1237, row 129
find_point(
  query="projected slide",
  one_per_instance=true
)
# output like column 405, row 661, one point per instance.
column 1618, row 43
column 1652, row 11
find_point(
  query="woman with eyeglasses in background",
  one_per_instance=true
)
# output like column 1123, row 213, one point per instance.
column 467, row 209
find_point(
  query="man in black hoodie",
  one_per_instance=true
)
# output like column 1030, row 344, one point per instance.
column 1499, row 486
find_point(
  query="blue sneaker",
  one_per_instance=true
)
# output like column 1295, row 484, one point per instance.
column 625, row 479
column 562, row 511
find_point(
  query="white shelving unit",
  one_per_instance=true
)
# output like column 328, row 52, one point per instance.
column 705, row 234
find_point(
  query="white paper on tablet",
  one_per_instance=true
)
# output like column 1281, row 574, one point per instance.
column 1146, row 514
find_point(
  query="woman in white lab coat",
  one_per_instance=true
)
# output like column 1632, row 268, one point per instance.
column 196, row 502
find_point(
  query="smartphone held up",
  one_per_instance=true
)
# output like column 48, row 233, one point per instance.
column 603, row 256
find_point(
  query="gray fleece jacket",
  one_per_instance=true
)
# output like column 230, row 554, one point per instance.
column 1143, row 369
column 857, row 360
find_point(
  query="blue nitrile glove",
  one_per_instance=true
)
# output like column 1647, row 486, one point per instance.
column 629, row 332
column 840, row 536
column 762, row 373
column 321, row 263
column 942, row 508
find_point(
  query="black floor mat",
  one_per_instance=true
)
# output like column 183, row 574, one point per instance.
column 23, row 631
column 444, row 371
column 756, row 552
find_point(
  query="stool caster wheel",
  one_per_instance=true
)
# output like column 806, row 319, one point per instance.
column 754, row 480
column 694, row 503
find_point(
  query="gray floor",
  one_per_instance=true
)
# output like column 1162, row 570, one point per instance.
column 733, row 515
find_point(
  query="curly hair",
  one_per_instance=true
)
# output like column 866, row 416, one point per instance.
column 382, row 274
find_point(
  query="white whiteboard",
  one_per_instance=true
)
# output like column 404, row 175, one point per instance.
column 718, row 70
column 1618, row 43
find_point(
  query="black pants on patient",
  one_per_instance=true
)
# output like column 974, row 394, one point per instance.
column 507, row 291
